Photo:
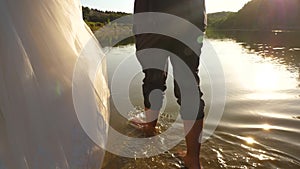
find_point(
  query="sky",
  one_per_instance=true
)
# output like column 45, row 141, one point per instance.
column 127, row 5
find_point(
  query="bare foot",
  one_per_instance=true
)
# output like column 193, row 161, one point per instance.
column 189, row 162
column 147, row 128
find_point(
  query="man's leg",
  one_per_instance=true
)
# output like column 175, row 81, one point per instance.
column 154, row 82
column 192, row 118
column 154, row 85
column 193, row 129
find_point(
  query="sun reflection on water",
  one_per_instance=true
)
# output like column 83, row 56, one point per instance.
column 261, row 156
column 266, row 127
column 266, row 78
column 249, row 140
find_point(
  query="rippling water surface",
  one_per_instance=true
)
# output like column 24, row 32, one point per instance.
column 260, row 124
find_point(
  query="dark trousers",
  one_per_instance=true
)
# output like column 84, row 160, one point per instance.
column 154, row 64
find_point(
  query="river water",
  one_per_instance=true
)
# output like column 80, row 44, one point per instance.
column 260, row 124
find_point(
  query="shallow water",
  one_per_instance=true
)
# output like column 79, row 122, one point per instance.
column 260, row 124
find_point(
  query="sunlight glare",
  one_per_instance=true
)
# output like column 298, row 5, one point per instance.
column 249, row 140
column 266, row 127
column 266, row 79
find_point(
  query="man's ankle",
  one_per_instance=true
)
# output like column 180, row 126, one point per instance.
column 151, row 116
column 192, row 162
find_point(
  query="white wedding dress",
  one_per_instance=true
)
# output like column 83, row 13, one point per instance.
column 40, row 43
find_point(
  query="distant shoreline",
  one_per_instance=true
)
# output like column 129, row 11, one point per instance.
column 258, row 15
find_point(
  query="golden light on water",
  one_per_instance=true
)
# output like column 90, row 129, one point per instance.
column 266, row 127
column 263, row 78
column 249, row 140
column 267, row 78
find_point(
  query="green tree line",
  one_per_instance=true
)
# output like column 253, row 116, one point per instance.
column 255, row 15
column 261, row 15
column 96, row 18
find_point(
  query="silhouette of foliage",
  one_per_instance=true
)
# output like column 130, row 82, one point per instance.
column 95, row 15
column 215, row 19
column 264, row 15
